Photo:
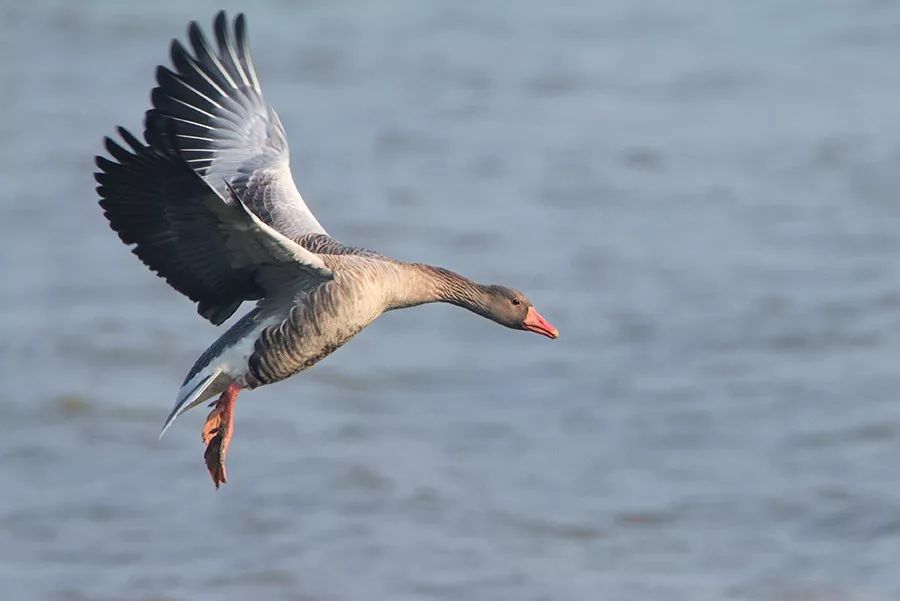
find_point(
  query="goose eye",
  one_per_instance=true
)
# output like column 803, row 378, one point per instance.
column 516, row 302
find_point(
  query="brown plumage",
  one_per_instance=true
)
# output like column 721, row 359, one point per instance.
column 209, row 203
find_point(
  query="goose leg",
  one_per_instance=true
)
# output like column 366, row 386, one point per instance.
column 217, row 432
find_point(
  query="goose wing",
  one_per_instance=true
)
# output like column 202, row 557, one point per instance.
column 213, row 108
column 208, row 245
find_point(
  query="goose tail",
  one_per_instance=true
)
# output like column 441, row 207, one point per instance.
column 191, row 395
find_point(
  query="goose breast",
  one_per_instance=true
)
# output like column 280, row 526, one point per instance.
column 321, row 320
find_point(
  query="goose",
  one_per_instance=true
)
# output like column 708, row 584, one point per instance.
column 207, row 201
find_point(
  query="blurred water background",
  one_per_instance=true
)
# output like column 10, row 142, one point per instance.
column 703, row 196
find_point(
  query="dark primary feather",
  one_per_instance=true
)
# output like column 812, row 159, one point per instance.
column 206, row 248
column 212, row 108
column 154, row 201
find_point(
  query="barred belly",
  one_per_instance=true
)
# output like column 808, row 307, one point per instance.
column 317, row 325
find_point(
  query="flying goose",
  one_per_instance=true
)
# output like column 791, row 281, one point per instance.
column 208, row 202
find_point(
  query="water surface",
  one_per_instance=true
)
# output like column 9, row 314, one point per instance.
column 702, row 196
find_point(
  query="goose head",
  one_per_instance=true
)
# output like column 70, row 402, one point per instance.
column 511, row 308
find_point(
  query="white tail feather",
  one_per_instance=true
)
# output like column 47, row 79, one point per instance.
column 189, row 397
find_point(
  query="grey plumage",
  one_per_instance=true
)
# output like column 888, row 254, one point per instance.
column 213, row 109
column 209, row 203
column 209, row 247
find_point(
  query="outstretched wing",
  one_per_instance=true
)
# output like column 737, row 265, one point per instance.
column 207, row 245
column 212, row 106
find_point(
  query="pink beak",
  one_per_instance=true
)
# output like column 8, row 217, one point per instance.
column 535, row 323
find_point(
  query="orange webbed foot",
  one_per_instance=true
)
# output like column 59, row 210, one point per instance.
column 217, row 432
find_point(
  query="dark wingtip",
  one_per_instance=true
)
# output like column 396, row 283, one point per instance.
column 240, row 30
column 220, row 22
column 157, row 97
column 195, row 35
column 112, row 147
column 176, row 52
column 119, row 152
column 130, row 139
column 104, row 163
column 162, row 73
column 223, row 37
